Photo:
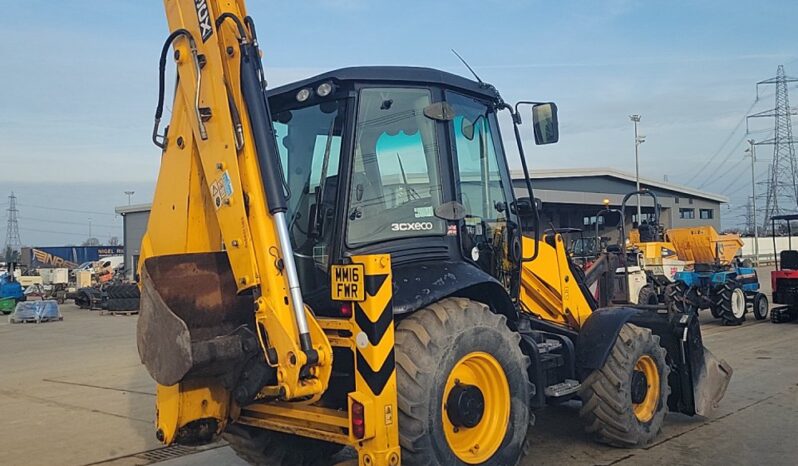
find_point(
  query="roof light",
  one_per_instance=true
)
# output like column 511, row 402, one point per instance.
column 303, row 94
column 324, row 89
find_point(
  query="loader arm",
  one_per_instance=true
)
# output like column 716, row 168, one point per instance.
column 549, row 288
column 217, row 253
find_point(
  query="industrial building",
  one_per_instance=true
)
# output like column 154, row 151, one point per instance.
column 570, row 197
column 135, row 218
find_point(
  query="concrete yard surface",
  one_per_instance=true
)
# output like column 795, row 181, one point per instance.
column 74, row 393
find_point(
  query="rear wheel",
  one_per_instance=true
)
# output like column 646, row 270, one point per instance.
column 268, row 448
column 677, row 299
column 463, row 386
column 624, row 403
column 648, row 296
column 761, row 306
column 731, row 304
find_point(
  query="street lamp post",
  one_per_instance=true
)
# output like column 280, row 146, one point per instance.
column 129, row 196
column 638, row 140
column 752, row 151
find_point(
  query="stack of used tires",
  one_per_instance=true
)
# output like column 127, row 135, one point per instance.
column 88, row 298
column 123, row 297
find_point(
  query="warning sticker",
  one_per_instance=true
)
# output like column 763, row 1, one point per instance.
column 221, row 189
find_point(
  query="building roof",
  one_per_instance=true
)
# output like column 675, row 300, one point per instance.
column 133, row 208
column 392, row 74
column 618, row 174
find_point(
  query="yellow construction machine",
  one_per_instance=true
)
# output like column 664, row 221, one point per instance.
column 342, row 261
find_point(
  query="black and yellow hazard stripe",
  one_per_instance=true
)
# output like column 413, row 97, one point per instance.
column 375, row 378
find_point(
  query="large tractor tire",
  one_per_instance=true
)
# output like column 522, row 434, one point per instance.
column 463, row 386
column 269, row 448
column 123, row 304
column 677, row 298
column 83, row 299
column 624, row 403
column 123, row 291
column 730, row 303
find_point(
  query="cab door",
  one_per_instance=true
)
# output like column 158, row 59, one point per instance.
column 489, row 231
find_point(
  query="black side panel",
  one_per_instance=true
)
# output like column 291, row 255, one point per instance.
column 598, row 336
column 419, row 284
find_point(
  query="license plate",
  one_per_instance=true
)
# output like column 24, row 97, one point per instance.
column 348, row 282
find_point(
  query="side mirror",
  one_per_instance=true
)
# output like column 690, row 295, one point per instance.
column 544, row 119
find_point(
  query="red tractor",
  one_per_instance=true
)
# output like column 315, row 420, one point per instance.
column 784, row 280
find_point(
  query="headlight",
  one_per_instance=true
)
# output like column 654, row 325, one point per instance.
column 324, row 89
column 303, row 95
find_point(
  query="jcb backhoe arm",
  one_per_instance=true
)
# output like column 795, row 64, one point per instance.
column 217, row 259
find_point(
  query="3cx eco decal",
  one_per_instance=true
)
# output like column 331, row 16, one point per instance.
column 411, row 226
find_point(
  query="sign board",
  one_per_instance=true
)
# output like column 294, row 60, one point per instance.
column 348, row 282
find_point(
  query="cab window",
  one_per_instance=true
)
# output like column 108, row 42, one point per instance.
column 395, row 183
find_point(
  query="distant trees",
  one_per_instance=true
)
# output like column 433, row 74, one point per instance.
column 91, row 242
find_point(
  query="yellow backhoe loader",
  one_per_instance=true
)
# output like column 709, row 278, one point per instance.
column 341, row 261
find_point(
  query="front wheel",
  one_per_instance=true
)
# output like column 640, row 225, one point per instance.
column 761, row 306
column 624, row 403
column 463, row 386
column 731, row 304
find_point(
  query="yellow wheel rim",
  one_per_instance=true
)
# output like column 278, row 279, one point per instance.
column 474, row 445
column 646, row 409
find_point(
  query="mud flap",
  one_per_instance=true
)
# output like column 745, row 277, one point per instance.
column 191, row 320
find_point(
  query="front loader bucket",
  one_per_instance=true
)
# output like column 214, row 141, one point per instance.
column 710, row 381
column 192, row 321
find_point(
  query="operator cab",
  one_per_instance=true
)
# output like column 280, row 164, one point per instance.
column 399, row 160
column 784, row 279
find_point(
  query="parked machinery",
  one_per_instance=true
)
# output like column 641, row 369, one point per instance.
column 340, row 262
column 10, row 290
column 784, row 280
column 657, row 256
column 718, row 281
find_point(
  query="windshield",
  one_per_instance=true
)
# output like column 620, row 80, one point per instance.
column 309, row 141
column 395, row 184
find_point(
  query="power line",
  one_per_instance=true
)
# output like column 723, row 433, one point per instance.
column 64, row 222
column 82, row 235
column 736, row 180
column 716, row 178
column 58, row 209
column 726, row 141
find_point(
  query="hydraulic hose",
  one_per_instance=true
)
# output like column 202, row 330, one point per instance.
column 162, row 83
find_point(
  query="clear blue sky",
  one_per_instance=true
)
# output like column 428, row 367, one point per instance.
column 79, row 84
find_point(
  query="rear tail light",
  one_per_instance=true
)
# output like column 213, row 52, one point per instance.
column 346, row 310
column 358, row 420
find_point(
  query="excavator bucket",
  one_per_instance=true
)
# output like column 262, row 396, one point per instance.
column 192, row 321
column 710, row 381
